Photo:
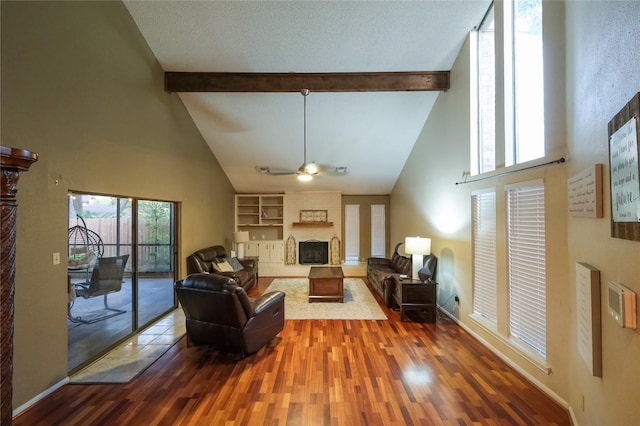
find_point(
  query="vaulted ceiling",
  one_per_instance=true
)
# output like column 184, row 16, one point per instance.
column 369, row 132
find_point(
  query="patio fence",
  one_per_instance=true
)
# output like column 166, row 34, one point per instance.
column 155, row 250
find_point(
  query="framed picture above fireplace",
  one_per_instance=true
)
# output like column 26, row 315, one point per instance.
column 313, row 215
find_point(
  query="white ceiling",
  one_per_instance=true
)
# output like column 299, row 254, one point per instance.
column 372, row 133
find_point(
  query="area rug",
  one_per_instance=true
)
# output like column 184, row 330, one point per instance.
column 359, row 303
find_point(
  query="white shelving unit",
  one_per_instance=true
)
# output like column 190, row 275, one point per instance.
column 262, row 216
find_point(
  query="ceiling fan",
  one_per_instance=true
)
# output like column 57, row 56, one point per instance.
column 306, row 171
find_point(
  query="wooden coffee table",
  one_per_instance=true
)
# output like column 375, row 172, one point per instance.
column 326, row 284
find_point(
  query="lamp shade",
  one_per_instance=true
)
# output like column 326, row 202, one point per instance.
column 417, row 245
column 240, row 237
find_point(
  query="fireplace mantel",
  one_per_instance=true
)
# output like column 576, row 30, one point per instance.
column 312, row 224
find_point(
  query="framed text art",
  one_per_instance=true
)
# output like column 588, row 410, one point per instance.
column 625, row 174
column 313, row 215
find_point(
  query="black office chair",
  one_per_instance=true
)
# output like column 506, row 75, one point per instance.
column 106, row 278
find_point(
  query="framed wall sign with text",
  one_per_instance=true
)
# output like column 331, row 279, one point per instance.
column 625, row 174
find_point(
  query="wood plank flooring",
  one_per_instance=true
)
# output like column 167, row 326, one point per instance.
column 317, row 372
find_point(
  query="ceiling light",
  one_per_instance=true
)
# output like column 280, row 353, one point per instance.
column 305, row 177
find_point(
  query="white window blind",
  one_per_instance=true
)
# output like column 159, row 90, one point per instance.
column 378, row 240
column 352, row 232
column 484, row 254
column 527, row 264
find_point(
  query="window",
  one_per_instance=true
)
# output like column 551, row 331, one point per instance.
column 378, row 241
column 522, row 77
column 484, row 254
column 525, row 83
column 486, row 95
column 526, row 264
column 352, row 232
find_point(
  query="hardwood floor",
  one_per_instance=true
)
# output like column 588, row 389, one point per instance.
column 318, row 372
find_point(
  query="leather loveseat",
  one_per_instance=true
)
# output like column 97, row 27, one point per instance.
column 206, row 259
column 382, row 273
column 220, row 314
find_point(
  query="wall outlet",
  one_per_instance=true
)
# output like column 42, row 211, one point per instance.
column 56, row 258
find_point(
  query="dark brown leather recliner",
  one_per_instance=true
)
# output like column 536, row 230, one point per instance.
column 203, row 260
column 220, row 314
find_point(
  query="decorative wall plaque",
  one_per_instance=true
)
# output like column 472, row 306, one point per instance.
column 625, row 174
column 313, row 215
column 585, row 192
column 589, row 317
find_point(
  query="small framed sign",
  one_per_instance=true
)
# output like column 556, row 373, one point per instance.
column 625, row 173
column 313, row 215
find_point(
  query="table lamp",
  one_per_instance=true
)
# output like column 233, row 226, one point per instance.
column 417, row 247
column 240, row 237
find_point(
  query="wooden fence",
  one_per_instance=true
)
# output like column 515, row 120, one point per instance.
column 155, row 253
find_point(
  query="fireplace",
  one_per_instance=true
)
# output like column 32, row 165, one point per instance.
column 313, row 252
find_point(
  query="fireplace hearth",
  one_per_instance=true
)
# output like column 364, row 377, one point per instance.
column 313, row 252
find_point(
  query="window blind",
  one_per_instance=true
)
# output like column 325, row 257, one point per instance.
column 352, row 232
column 484, row 253
column 527, row 264
column 378, row 241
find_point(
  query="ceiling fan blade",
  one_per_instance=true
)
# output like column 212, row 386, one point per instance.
column 274, row 171
column 326, row 169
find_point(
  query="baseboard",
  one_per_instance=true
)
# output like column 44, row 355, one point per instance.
column 551, row 394
column 40, row 396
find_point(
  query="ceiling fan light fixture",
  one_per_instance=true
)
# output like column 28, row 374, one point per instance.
column 305, row 177
column 310, row 168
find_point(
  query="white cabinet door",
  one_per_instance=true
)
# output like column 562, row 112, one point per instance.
column 268, row 251
column 252, row 249
column 276, row 251
column 264, row 251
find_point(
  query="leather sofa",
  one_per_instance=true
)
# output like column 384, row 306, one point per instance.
column 220, row 314
column 380, row 272
column 203, row 260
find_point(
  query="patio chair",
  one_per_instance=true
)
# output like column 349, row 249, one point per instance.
column 106, row 277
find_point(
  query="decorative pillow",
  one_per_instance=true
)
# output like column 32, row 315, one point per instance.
column 235, row 264
column 224, row 267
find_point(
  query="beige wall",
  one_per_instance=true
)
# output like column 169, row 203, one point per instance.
column 600, row 76
column 603, row 59
column 81, row 88
column 365, row 202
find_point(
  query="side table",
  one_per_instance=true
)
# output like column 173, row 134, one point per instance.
column 415, row 295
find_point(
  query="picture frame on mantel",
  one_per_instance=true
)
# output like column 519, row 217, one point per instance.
column 623, row 132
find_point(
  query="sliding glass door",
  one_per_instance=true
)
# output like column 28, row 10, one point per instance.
column 121, row 270
column 156, row 248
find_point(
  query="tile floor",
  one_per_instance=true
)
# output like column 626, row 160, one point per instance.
column 131, row 357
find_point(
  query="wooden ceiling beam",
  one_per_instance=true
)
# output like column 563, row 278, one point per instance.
column 315, row 82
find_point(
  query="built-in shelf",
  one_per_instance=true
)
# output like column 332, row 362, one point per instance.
column 261, row 215
column 312, row 224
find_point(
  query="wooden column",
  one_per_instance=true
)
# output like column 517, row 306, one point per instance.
column 13, row 162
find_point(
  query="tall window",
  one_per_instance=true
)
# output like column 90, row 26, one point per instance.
column 378, row 240
column 527, row 264
column 484, row 254
column 352, row 232
column 486, row 87
column 523, row 82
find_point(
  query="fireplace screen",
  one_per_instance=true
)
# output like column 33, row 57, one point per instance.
column 313, row 252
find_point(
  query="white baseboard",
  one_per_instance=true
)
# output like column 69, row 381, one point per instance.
column 40, row 396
